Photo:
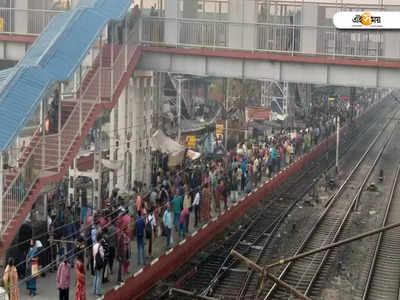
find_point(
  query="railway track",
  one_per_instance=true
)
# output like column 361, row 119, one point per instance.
column 221, row 275
column 384, row 275
column 233, row 279
column 303, row 273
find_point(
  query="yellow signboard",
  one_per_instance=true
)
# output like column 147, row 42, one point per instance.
column 1, row 24
column 331, row 98
column 191, row 141
column 219, row 129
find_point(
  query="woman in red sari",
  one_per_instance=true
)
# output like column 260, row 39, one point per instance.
column 80, row 291
column 205, row 203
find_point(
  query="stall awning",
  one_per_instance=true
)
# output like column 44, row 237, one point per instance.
column 176, row 152
column 159, row 141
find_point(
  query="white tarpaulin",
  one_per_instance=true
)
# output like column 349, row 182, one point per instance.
column 192, row 154
column 159, row 141
column 112, row 164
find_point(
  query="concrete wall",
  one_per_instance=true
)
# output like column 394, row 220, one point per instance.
column 13, row 50
column 131, row 126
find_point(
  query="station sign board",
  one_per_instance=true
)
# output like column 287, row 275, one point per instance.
column 219, row 129
column 191, row 141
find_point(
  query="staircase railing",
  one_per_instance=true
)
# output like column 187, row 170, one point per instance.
column 37, row 161
column 77, row 131
column 20, row 187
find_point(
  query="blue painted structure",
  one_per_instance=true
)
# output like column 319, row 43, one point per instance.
column 54, row 56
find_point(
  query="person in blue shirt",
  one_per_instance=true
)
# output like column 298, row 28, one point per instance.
column 243, row 165
column 167, row 223
column 177, row 203
column 273, row 157
column 140, row 225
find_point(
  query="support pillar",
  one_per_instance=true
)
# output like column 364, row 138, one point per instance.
column 309, row 31
column 97, row 179
column 121, row 130
column 134, row 137
column 19, row 17
column 337, row 142
column 141, row 96
column 45, row 205
column 243, row 29
column 171, row 26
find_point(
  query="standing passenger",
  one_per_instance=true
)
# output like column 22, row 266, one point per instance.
column 167, row 223
column 63, row 279
column 140, row 238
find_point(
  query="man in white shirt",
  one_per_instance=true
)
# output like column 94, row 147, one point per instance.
column 49, row 221
column 196, row 205
column 167, row 222
column 151, row 220
column 98, row 278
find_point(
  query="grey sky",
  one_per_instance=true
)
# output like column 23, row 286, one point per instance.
column 149, row 3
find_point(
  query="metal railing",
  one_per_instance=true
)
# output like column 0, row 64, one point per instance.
column 49, row 152
column 264, row 37
column 26, row 21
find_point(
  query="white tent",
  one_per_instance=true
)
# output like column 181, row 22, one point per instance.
column 159, row 141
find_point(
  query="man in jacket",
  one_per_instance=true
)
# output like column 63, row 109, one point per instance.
column 140, row 238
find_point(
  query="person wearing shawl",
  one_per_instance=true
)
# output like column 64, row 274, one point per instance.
column 10, row 279
column 31, row 261
column 205, row 202
column 80, row 290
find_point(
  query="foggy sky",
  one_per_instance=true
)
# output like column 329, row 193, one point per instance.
column 149, row 3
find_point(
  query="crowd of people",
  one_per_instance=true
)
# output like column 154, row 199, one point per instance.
column 102, row 242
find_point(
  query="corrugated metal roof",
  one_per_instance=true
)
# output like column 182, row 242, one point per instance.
column 54, row 56
column 74, row 43
column 46, row 39
column 4, row 75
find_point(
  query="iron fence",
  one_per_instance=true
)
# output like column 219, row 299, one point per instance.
column 26, row 21
column 282, row 38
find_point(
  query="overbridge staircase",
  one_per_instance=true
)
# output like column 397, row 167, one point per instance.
column 47, row 157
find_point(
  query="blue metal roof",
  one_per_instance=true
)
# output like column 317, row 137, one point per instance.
column 4, row 75
column 54, row 56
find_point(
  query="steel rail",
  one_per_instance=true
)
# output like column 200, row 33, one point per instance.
column 353, row 204
column 387, row 218
column 250, row 273
column 271, row 229
column 333, row 200
column 273, row 226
